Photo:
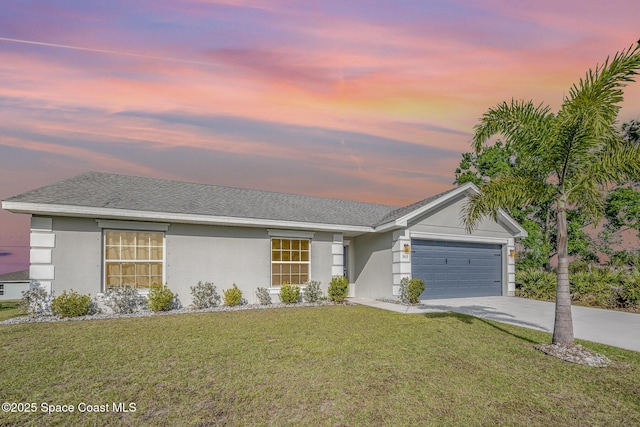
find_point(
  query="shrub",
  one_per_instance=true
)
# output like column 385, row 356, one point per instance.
column 159, row 298
column 536, row 284
column 579, row 266
column 338, row 288
column 602, row 287
column 629, row 292
column 232, row 296
column 263, row 296
column 205, row 295
column 289, row 294
column 72, row 304
column 312, row 291
column 410, row 290
column 596, row 289
column 626, row 258
column 36, row 301
column 123, row 299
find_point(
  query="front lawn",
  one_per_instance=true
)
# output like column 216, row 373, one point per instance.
column 331, row 365
column 9, row 309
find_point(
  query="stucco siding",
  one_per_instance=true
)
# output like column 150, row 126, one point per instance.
column 448, row 220
column 13, row 290
column 221, row 255
column 218, row 254
column 228, row 255
column 321, row 258
column 77, row 255
column 373, row 277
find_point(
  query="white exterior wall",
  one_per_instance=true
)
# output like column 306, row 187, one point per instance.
column 13, row 290
column 67, row 253
column 222, row 255
column 240, row 255
column 373, row 265
column 76, row 257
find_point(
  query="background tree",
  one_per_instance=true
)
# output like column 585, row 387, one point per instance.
column 631, row 132
column 537, row 218
column 569, row 157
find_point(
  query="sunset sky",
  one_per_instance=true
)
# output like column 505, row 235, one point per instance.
column 364, row 100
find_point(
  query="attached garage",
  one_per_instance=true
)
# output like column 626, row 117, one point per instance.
column 457, row 269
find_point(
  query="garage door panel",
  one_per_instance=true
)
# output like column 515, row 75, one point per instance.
column 457, row 269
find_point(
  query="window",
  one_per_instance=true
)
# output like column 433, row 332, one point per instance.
column 289, row 261
column 133, row 258
column 1, row 288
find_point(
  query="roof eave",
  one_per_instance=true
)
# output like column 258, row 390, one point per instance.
column 512, row 224
column 125, row 214
column 519, row 232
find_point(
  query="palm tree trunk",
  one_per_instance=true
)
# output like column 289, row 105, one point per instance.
column 563, row 326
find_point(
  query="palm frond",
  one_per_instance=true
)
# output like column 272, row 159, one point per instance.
column 586, row 195
column 519, row 122
column 617, row 162
column 504, row 192
column 587, row 118
column 603, row 87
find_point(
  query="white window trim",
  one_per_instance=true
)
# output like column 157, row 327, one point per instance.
column 141, row 291
column 276, row 289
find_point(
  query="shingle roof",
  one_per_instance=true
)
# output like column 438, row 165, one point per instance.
column 400, row 212
column 103, row 190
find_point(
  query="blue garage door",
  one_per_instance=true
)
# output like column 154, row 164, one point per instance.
column 457, row 270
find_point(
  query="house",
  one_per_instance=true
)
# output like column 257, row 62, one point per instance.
column 13, row 284
column 98, row 230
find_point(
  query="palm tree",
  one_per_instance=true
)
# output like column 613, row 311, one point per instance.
column 571, row 156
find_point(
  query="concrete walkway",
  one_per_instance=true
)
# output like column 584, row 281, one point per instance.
column 615, row 328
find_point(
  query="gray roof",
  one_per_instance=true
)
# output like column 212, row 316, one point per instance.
column 104, row 190
column 16, row 276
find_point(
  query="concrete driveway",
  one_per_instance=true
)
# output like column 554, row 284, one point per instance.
column 609, row 327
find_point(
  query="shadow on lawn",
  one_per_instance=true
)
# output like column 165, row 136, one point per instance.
column 484, row 312
column 467, row 318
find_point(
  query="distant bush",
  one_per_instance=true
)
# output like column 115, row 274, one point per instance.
column 579, row 266
column 262, row 294
column 629, row 292
column 72, row 304
column 338, row 288
column 204, row 295
column 36, row 301
column 289, row 294
column 123, row 299
column 159, row 298
column 312, row 291
column 232, row 296
column 629, row 259
column 411, row 289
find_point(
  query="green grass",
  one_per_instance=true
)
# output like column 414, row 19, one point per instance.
column 9, row 309
column 315, row 366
